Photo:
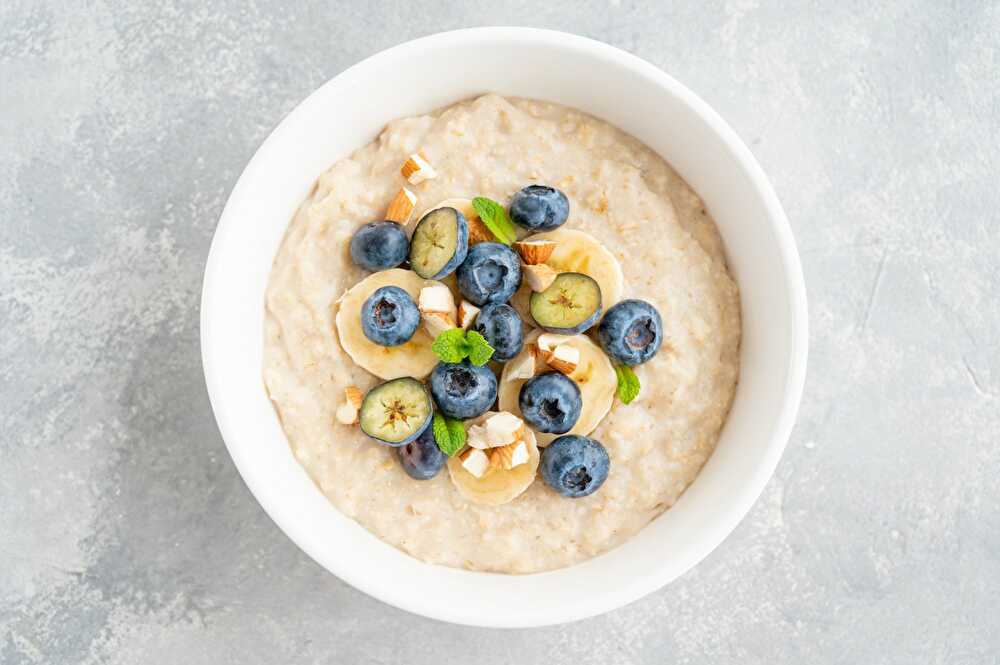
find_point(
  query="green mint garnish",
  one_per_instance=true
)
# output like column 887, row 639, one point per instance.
column 628, row 384
column 452, row 346
column 480, row 350
column 456, row 429
column 495, row 218
column 448, row 434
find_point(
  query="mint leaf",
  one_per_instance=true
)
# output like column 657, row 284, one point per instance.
column 456, row 429
column 450, row 346
column 628, row 384
column 441, row 435
column 480, row 350
column 495, row 218
column 449, row 435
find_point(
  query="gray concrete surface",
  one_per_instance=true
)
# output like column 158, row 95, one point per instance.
column 126, row 535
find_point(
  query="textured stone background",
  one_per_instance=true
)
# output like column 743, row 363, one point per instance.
column 126, row 535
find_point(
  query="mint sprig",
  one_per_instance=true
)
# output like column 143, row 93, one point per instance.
column 495, row 218
column 450, row 346
column 628, row 384
column 449, row 434
column 453, row 346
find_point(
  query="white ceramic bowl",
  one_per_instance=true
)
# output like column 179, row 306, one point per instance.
column 418, row 76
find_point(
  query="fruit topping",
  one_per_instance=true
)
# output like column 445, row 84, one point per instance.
column 539, row 208
column 594, row 376
column 415, row 358
column 631, row 332
column 502, row 327
column 550, row 402
column 421, row 458
column 439, row 244
column 379, row 246
column 498, row 475
column 396, row 412
column 490, row 273
column 463, row 390
column 575, row 466
column 389, row 317
column 571, row 305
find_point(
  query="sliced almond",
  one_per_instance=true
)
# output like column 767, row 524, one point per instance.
column 496, row 429
column 539, row 277
column 347, row 414
column 437, row 309
column 564, row 358
column 467, row 313
column 534, row 252
column 475, row 462
column 521, row 367
column 354, row 396
column 436, row 298
column 509, row 456
column 548, row 341
column 401, row 207
column 436, row 323
column 416, row 169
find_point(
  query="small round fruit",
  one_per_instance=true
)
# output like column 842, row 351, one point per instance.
column 490, row 273
column 379, row 246
column 571, row 305
column 421, row 458
column 539, row 208
column 575, row 466
column 462, row 390
column 440, row 243
column 396, row 412
column 502, row 327
column 390, row 316
column 551, row 402
column 631, row 332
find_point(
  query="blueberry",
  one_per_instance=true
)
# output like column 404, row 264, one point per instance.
column 551, row 402
column 440, row 243
column 462, row 390
column 631, row 332
column 571, row 304
column 379, row 246
column 575, row 465
column 539, row 208
column 389, row 317
column 491, row 272
column 396, row 412
column 501, row 325
column 422, row 459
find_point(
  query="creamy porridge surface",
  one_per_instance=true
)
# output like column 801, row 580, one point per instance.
column 621, row 193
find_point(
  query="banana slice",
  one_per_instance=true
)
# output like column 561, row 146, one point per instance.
column 594, row 374
column 577, row 251
column 477, row 230
column 498, row 486
column 414, row 358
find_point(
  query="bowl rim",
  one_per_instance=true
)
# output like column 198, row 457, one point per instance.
column 791, row 269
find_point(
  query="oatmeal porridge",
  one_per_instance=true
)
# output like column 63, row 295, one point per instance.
column 528, row 362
